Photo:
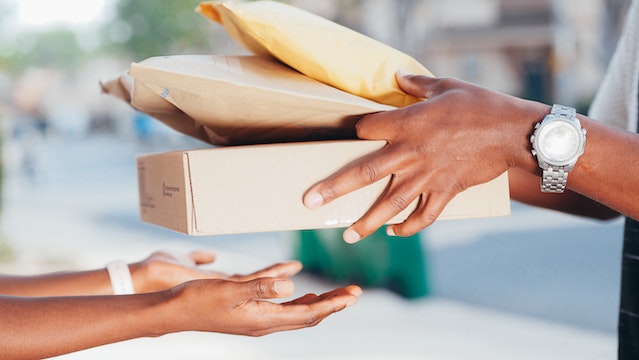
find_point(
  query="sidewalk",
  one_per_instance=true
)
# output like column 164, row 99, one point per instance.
column 504, row 288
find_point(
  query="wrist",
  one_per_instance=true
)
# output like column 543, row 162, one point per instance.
column 531, row 113
column 557, row 143
column 171, row 302
column 120, row 277
column 155, row 313
column 141, row 276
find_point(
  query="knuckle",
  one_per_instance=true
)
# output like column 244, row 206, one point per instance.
column 367, row 173
column 399, row 202
column 312, row 319
column 427, row 218
column 258, row 288
column 328, row 193
column 446, row 83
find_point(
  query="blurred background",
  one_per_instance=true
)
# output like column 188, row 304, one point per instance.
column 536, row 284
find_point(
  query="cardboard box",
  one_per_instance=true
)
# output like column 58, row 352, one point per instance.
column 259, row 188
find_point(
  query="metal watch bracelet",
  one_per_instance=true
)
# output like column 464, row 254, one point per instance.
column 554, row 180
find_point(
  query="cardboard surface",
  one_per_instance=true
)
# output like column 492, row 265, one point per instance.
column 259, row 188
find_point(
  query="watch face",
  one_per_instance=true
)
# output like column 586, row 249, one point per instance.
column 558, row 142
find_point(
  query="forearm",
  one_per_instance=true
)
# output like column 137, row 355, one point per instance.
column 87, row 282
column 93, row 282
column 609, row 169
column 606, row 173
column 44, row 327
column 48, row 326
column 465, row 135
column 524, row 188
column 38, row 327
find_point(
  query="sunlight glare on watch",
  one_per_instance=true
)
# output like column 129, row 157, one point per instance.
column 559, row 141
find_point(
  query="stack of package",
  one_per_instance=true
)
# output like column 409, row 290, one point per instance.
column 280, row 120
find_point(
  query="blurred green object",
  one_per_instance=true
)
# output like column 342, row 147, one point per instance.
column 395, row 263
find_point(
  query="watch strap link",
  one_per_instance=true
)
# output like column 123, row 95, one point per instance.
column 565, row 112
column 554, row 180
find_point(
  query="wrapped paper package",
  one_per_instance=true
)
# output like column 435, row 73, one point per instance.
column 309, row 79
column 232, row 100
column 317, row 47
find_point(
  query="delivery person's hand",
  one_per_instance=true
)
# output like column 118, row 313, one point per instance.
column 461, row 135
column 162, row 270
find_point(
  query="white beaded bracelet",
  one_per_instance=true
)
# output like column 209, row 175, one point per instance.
column 120, row 276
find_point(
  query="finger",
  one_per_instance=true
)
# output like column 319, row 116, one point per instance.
column 397, row 198
column 284, row 270
column 313, row 298
column 352, row 290
column 360, row 173
column 201, row 257
column 422, row 86
column 265, row 288
column 306, row 299
column 428, row 210
column 295, row 315
column 379, row 126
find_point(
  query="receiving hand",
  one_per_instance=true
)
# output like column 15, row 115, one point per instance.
column 240, row 307
column 162, row 270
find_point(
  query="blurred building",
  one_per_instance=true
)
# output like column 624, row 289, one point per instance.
column 548, row 50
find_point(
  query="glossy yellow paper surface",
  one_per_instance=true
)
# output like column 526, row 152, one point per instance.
column 317, row 47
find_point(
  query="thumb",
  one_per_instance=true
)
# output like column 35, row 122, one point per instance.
column 267, row 288
column 416, row 85
column 200, row 257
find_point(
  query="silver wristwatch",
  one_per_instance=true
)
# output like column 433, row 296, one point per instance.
column 557, row 142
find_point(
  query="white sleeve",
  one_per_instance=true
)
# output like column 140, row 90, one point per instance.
column 616, row 101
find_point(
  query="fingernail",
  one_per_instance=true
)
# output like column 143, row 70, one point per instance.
column 313, row 200
column 357, row 291
column 390, row 231
column 283, row 287
column 402, row 73
column 351, row 236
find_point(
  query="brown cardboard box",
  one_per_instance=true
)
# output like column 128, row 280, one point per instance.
column 259, row 188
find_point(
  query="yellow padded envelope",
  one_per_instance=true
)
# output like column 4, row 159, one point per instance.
column 317, row 47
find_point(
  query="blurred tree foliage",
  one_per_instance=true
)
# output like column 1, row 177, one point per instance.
column 141, row 29
column 6, row 10
column 136, row 30
column 55, row 48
